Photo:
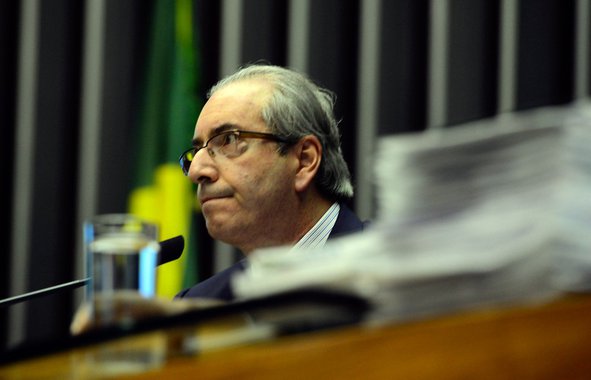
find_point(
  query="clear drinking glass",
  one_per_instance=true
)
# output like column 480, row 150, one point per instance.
column 121, row 256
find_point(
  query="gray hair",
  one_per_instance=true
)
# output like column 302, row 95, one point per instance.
column 298, row 107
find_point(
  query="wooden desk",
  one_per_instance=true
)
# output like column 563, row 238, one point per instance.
column 551, row 341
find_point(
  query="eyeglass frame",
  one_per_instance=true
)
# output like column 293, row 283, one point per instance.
column 239, row 134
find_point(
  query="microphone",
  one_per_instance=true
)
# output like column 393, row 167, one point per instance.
column 170, row 250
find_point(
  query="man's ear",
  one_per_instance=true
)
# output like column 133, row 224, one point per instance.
column 309, row 155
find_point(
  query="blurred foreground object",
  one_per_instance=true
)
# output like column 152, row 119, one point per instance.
column 121, row 252
column 573, row 251
column 126, row 308
column 468, row 216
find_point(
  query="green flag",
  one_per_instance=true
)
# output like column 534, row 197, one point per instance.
column 167, row 116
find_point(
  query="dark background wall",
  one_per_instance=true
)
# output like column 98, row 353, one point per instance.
column 384, row 69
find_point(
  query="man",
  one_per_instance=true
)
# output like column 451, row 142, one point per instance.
column 267, row 160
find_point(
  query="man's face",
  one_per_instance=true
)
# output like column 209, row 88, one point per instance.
column 246, row 200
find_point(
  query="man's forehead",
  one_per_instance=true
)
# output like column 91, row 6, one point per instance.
column 199, row 139
column 248, row 87
column 235, row 106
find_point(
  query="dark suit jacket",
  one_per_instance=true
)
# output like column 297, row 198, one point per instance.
column 218, row 286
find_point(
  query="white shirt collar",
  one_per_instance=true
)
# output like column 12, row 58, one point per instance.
column 317, row 235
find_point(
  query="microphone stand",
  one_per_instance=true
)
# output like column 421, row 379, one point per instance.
column 170, row 250
column 43, row 292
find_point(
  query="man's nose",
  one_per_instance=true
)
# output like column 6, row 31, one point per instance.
column 203, row 168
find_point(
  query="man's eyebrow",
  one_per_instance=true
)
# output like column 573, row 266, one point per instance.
column 197, row 142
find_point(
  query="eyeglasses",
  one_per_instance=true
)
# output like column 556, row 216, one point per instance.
column 226, row 144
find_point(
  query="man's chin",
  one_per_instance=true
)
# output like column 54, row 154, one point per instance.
column 221, row 231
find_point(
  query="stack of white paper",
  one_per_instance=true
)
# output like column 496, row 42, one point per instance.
column 466, row 217
column 573, row 251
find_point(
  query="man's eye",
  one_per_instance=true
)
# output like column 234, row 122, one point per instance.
column 230, row 138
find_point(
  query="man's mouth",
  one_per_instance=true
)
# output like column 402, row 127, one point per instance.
column 209, row 198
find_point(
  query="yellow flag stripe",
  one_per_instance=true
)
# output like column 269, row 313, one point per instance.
column 168, row 203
